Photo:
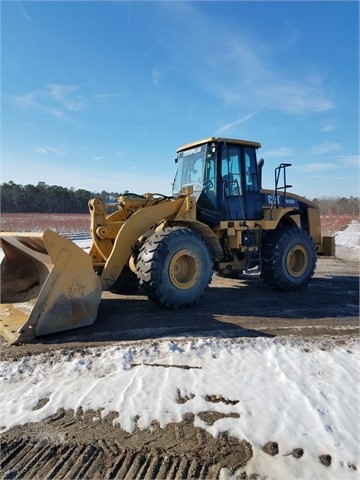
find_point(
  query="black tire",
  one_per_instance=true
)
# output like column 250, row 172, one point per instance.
column 174, row 267
column 288, row 259
column 126, row 284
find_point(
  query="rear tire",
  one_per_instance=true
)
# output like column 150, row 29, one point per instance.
column 174, row 267
column 288, row 259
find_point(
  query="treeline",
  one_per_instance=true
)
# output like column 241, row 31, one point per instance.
column 44, row 198
column 338, row 205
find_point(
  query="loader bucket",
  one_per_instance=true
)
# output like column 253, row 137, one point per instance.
column 47, row 285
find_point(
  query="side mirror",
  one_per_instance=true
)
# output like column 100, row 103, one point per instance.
column 260, row 165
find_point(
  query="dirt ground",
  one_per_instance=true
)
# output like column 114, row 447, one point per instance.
column 241, row 307
column 71, row 445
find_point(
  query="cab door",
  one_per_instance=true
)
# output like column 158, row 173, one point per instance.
column 252, row 193
column 239, row 183
column 232, row 199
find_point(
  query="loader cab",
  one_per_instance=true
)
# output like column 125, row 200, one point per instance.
column 225, row 177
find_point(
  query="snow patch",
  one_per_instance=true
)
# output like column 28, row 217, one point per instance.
column 289, row 391
column 350, row 237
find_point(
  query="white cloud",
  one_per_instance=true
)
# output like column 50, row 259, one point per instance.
column 291, row 37
column 23, row 11
column 329, row 126
column 24, row 102
column 230, row 126
column 156, row 76
column 48, row 150
column 41, row 150
column 237, row 67
column 326, row 147
column 279, row 152
column 67, row 97
column 350, row 159
column 55, row 100
column 294, row 97
column 315, row 167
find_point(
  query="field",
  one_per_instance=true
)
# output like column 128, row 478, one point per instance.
column 335, row 223
column 67, row 224
column 71, row 224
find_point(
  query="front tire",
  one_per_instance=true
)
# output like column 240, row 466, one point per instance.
column 288, row 259
column 174, row 267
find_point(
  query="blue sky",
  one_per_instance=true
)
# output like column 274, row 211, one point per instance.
column 99, row 95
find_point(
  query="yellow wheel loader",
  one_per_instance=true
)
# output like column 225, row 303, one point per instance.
column 218, row 219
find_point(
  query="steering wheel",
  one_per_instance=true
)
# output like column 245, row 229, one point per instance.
column 208, row 185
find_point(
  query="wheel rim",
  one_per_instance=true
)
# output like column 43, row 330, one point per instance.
column 184, row 269
column 297, row 260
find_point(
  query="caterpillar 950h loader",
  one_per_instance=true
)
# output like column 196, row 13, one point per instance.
column 218, row 219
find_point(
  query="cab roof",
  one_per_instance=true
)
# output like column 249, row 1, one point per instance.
column 219, row 140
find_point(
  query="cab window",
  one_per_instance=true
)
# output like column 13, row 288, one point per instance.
column 231, row 171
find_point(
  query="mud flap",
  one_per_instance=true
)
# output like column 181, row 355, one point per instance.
column 48, row 285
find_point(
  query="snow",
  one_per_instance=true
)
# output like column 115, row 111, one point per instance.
column 348, row 242
column 350, row 237
column 289, row 391
column 300, row 394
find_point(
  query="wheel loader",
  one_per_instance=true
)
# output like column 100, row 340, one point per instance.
column 218, row 220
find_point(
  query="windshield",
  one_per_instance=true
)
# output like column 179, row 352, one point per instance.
column 190, row 169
